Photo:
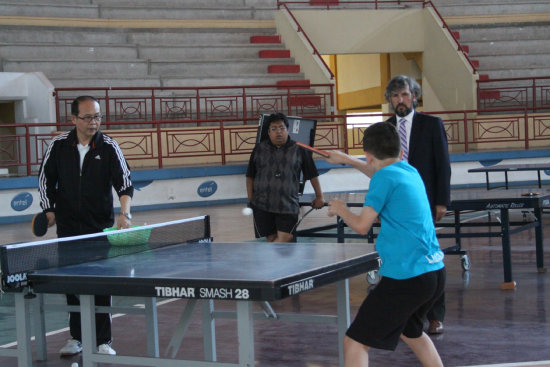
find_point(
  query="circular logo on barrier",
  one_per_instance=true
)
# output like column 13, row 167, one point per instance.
column 21, row 201
column 207, row 189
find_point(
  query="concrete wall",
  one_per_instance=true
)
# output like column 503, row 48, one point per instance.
column 203, row 186
column 32, row 95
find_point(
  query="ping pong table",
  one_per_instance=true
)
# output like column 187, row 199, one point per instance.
column 466, row 200
column 203, row 271
column 511, row 168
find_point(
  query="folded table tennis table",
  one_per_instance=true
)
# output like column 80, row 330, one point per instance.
column 506, row 168
column 502, row 201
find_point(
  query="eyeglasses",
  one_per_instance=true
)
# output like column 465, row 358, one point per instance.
column 88, row 118
column 275, row 129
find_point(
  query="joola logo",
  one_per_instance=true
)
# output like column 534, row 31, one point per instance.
column 14, row 278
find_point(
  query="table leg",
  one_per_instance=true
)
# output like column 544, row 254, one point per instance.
column 340, row 226
column 539, row 240
column 458, row 237
column 181, row 328
column 23, row 330
column 342, row 299
column 40, row 328
column 151, row 322
column 209, row 330
column 87, row 324
column 245, row 332
column 506, row 251
column 506, row 179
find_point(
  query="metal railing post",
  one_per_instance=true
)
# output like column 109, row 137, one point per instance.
column 159, row 143
column 28, row 149
column 526, row 128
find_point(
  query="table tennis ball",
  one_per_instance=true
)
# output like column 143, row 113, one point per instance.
column 74, row 364
column 247, row 211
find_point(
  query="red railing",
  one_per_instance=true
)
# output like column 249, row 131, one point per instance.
column 158, row 144
column 200, row 103
column 531, row 94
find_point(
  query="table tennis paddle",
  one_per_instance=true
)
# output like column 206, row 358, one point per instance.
column 301, row 219
column 323, row 153
column 39, row 224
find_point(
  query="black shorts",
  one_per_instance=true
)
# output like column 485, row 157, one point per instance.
column 267, row 223
column 396, row 307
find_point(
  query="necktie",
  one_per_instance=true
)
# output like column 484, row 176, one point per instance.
column 403, row 138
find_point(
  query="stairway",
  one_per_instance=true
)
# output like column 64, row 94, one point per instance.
column 503, row 39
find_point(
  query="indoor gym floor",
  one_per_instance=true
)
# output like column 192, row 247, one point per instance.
column 484, row 325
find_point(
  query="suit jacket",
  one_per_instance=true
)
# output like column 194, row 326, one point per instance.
column 429, row 154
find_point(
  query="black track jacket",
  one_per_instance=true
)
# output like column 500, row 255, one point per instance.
column 82, row 201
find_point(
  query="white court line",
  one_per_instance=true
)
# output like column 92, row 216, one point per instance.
column 519, row 364
column 54, row 332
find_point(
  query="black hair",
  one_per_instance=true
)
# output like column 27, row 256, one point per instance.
column 382, row 141
column 74, row 106
column 275, row 117
column 400, row 82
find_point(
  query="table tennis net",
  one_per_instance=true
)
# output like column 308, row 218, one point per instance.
column 18, row 259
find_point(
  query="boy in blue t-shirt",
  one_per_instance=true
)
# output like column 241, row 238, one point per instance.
column 412, row 269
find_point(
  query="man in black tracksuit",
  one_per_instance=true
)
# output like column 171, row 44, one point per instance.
column 78, row 172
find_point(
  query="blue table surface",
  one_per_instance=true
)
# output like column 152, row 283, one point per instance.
column 247, row 262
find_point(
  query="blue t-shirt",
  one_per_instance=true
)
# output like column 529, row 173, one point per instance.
column 407, row 243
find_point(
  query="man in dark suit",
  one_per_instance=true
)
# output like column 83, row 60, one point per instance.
column 424, row 144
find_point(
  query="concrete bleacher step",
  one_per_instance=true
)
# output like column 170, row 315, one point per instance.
column 156, row 12
column 169, row 3
column 199, row 52
column 73, row 68
column 175, row 81
column 503, row 32
column 201, row 37
column 501, row 48
column 198, row 10
column 60, row 35
column 54, row 2
column 46, row 51
column 526, row 72
column 13, row 34
column 472, row 7
column 503, row 62
column 186, row 3
column 240, row 80
column 14, row 8
column 106, row 81
column 218, row 68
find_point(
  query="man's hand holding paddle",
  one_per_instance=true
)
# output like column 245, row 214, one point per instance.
column 41, row 222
